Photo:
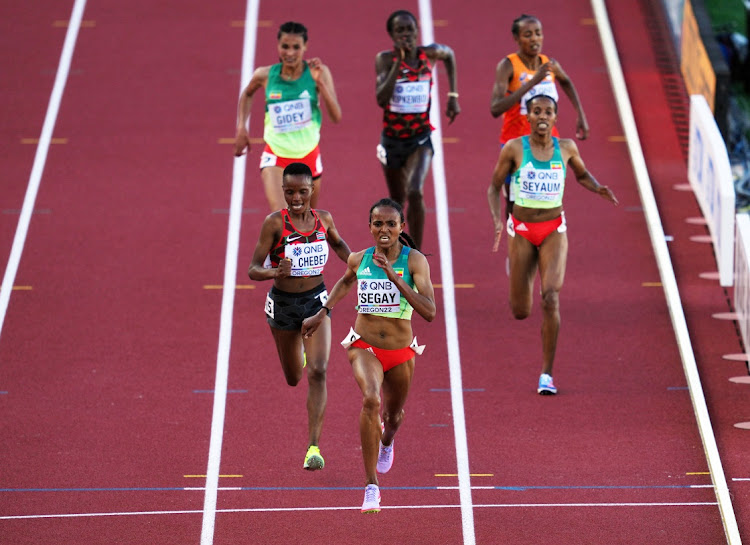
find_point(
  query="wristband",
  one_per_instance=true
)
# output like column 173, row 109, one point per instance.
column 453, row 94
column 328, row 310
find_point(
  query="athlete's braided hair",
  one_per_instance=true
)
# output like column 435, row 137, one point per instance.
column 292, row 27
column 403, row 237
column 516, row 26
column 399, row 13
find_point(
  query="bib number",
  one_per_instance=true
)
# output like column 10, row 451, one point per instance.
column 291, row 115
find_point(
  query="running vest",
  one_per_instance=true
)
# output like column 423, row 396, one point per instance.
column 408, row 112
column 308, row 251
column 292, row 121
column 539, row 184
column 515, row 123
column 379, row 296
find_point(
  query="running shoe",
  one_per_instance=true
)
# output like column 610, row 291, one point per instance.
column 313, row 459
column 546, row 387
column 372, row 499
column 385, row 458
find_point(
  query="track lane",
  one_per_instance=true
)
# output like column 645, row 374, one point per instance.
column 105, row 361
column 265, row 419
column 617, row 420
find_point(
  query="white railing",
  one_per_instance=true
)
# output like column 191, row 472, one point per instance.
column 710, row 176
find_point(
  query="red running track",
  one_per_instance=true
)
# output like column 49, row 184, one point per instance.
column 107, row 363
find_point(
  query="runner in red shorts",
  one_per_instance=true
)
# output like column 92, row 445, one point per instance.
column 537, row 231
column 393, row 281
column 294, row 88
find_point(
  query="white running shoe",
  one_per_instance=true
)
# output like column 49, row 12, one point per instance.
column 372, row 499
column 546, row 386
column 385, row 458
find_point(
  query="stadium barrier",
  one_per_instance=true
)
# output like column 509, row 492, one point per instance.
column 742, row 277
column 710, row 177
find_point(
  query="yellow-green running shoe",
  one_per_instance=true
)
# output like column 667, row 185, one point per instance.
column 313, row 459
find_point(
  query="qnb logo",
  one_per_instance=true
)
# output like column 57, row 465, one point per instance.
column 297, row 251
column 548, row 175
column 277, row 109
column 531, row 175
column 363, row 285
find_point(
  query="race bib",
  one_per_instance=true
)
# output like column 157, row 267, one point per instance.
column 378, row 296
column 290, row 115
column 269, row 306
column 544, row 185
column 308, row 258
column 412, row 97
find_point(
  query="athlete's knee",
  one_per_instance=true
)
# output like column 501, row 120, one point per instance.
column 371, row 402
column 550, row 300
column 415, row 195
column 316, row 373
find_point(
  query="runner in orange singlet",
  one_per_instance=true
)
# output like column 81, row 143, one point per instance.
column 523, row 74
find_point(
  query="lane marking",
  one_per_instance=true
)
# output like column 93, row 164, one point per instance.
column 449, row 301
column 253, row 140
column 356, row 508
column 60, row 23
column 471, row 474
column 18, row 211
column 263, row 23
column 40, row 158
column 227, row 300
column 651, row 284
column 463, row 389
column 213, row 391
column 459, row 286
column 671, row 291
column 204, row 476
column 513, row 488
column 37, row 140
column 226, row 211
column 22, row 288
column 221, row 287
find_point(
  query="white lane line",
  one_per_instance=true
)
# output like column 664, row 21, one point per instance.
column 358, row 507
column 449, row 303
column 40, row 158
column 227, row 301
column 666, row 272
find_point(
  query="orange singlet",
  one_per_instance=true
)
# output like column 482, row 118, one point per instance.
column 515, row 123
